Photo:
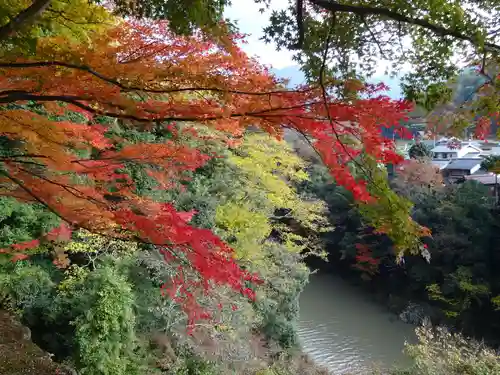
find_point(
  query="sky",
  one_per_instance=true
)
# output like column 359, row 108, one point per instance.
column 251, row 21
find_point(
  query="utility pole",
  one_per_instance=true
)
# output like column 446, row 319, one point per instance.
column 496, row 189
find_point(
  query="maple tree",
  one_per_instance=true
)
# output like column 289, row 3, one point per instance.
column 80, row 115
column 23, row 22
column 59, row 105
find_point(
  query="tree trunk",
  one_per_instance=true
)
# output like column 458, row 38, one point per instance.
column 26, row 17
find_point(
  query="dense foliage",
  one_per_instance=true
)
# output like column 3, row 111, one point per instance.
column 419, row 150
column 440, row 352
column 83, row 115
column 453, row 279
column 104, row 313
column 144, row 187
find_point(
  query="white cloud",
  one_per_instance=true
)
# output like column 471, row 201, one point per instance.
column 251, row 21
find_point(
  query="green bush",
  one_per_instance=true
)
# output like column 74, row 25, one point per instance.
column 105, row 334
column 193, row 365
column 440, row 352
column 21, row 222
column 286, row 277
column 25, row 287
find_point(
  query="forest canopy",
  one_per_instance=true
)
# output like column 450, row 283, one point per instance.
column 145, row 185
column 64, row 99
column 87, row 96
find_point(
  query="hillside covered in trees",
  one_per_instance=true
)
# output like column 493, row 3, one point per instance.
column 157, row 207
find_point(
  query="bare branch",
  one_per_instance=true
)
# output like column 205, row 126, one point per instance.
column 323, row 89
column 374, row 37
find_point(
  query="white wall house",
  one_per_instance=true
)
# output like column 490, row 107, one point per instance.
column 492, row 151
column 444, row 152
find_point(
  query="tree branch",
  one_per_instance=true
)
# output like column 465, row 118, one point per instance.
column 84, row 68
column 32, row 194
column 26, row 17
column 363, row 10
column 300, row 23
column 36, row 198
column 77, row 101
column 374, row 37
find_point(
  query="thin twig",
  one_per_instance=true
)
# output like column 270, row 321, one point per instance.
column 365, row 10
column 363, row 19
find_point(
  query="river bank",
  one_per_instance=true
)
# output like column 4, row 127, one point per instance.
column 19, row 355
column 456, row 284
column 392, row 289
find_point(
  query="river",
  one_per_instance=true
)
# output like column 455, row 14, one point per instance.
column 342, row 329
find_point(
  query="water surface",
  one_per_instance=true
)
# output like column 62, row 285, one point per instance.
column 342, row 329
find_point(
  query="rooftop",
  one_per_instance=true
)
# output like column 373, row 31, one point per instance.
column 445, row 148
column 486, row 178
column 440, row 163
column 471, row 155
column 464, row 163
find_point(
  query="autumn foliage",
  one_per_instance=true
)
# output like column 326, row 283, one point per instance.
column 418, row 173
column 147, row 78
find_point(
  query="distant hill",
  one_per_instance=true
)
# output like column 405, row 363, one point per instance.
column 292, row 72
column 296, row 77
column 465, row 87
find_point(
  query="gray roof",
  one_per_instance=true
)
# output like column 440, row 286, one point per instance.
column 463, row 163
column 440, row 163
column 480, row 171
column 485, row 178
column 443, row 148
column 471, row 155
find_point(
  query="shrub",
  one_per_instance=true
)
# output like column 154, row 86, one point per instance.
column 285, row 276
column 20, row 222
column 293, row 364
column 26, row 287
column 440, row 352
column 105, row 333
